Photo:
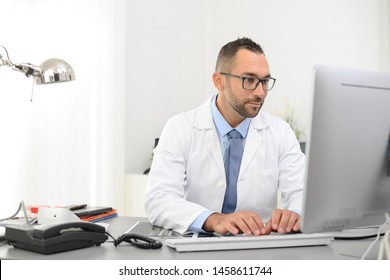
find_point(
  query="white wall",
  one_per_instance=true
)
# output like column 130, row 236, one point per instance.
column 67, row 146
column 172, row 47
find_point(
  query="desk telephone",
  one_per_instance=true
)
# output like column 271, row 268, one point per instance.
column 60, row 237
column 57, row 237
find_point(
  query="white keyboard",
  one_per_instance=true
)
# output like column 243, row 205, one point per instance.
column 249, row 242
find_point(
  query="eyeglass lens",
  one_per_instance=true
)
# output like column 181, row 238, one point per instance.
column 252, row 83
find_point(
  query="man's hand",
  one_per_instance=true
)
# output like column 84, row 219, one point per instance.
column 249, row 223
column 245, row 222
column 284, row 221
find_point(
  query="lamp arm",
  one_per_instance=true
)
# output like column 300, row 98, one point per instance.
column 26, row 68
column 4, row 61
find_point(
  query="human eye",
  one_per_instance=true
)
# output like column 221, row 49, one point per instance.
column 250, row 80
column 265, row 81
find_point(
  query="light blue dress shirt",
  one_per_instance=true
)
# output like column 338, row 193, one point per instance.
column 223, row 128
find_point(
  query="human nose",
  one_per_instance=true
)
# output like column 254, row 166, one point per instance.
column 259, row 91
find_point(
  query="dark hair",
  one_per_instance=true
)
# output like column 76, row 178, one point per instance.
column 228, row 52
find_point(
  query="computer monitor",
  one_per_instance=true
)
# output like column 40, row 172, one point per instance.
column 347, row 181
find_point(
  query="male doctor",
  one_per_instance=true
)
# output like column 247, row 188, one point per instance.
column 189, row 185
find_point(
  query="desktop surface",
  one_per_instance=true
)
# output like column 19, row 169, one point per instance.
column 336, row 250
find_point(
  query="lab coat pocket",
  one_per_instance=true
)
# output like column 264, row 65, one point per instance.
column 265, row 185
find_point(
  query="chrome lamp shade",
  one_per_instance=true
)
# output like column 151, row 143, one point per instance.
column 55, row 70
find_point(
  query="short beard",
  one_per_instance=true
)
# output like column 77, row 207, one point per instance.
column 240, row 108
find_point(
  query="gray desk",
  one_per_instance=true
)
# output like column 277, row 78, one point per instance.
column 338, row 250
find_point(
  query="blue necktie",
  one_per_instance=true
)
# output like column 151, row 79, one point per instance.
column 233, row 158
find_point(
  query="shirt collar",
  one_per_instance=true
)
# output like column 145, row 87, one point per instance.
column 223, row 127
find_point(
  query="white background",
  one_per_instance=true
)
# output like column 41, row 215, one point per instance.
column 102, row 270
column 137, row 63
column 172, row 46
column 67, row 146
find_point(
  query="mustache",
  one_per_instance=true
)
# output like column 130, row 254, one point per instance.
column 257, row 99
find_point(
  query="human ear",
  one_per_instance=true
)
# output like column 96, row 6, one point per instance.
column 219, row 82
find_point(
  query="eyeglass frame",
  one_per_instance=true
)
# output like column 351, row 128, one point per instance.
column 258, row 80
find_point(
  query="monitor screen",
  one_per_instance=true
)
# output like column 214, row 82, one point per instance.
column 347, row 181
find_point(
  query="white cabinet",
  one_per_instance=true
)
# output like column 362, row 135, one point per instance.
column 136, row 185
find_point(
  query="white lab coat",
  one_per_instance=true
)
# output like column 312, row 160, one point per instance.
column 188, row 176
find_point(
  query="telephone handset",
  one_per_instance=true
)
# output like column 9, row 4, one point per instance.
column 57, row 237
column 52, row 230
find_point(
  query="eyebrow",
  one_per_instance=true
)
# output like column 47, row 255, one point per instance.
column 255, row 76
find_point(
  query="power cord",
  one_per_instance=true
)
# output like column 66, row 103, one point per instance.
column 384, row 247
column 137, row 240
column 22, row 206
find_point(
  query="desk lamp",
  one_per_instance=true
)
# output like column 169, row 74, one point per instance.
column 50, row 71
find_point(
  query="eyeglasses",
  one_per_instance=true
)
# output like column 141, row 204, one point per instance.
column 251, row 83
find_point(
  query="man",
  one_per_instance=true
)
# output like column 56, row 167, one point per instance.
column 191, row 186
